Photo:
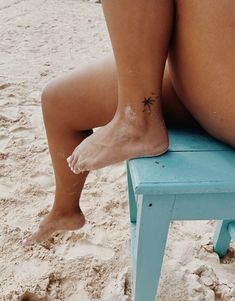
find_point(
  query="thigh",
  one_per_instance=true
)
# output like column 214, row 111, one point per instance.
column 87, row 98
column 175, row 113
column 84, row 98
column 202, row 63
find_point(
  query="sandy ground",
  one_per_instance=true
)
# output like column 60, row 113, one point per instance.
column 40, row 40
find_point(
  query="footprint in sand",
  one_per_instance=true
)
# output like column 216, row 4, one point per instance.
column 83, row 248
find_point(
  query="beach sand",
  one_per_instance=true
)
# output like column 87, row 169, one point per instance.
column 39, row 41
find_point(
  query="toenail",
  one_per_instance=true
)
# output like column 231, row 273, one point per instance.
column 77, row 170
column 73, row 170
column 74, row 161
column 68, row 159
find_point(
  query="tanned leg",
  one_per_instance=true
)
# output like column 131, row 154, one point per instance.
column 70, row 105
column 140, row 32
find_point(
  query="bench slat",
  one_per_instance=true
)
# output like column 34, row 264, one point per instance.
column 194, row 140
column 184, row 172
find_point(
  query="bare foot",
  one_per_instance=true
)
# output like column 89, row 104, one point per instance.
column 121, row 139
column 55, row 222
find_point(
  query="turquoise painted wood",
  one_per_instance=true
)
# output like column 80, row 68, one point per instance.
column 131, row 196
column 152, row 227
column 224, row 233
column 194, row 180
column 231, row 230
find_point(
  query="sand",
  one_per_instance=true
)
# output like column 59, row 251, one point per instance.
column 39, row 41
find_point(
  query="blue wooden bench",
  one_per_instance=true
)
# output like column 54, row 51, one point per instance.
column 194, row 180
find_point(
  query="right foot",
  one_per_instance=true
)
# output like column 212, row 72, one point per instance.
column 121, row 139
column 54, row 222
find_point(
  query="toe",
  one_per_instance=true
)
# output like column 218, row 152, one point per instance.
column 81, row 166
column 74, row 159
column 74, row 163
column 28, row 241
column 77, row 168
column 69, row 160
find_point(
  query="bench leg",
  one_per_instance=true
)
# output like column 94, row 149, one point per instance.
column 231, row 230
column 222, row 237
column 131, row 197
column 153, row 218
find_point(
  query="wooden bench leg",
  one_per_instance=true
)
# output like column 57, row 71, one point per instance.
column 153, row 218
column 222, row 237
column 231, row 230
column 131, row 197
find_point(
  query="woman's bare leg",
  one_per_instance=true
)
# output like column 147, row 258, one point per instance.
column 70, row 111
column 140, row 32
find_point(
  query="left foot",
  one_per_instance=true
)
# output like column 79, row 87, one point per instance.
column 55, row 222
column 121, row 139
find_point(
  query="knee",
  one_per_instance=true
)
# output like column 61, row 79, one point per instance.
column 49, row 99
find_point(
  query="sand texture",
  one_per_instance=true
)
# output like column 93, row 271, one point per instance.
column 39, row 41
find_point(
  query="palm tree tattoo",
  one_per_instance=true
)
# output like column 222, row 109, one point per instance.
column 149, row 101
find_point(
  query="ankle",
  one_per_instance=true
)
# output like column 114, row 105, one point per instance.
column 65, row 211
column 131, row 117
column 137, row 121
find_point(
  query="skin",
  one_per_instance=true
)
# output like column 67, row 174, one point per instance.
column 134, row 52
column 196, row 90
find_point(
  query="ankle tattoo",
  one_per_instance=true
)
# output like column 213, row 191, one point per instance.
column 148, row 102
